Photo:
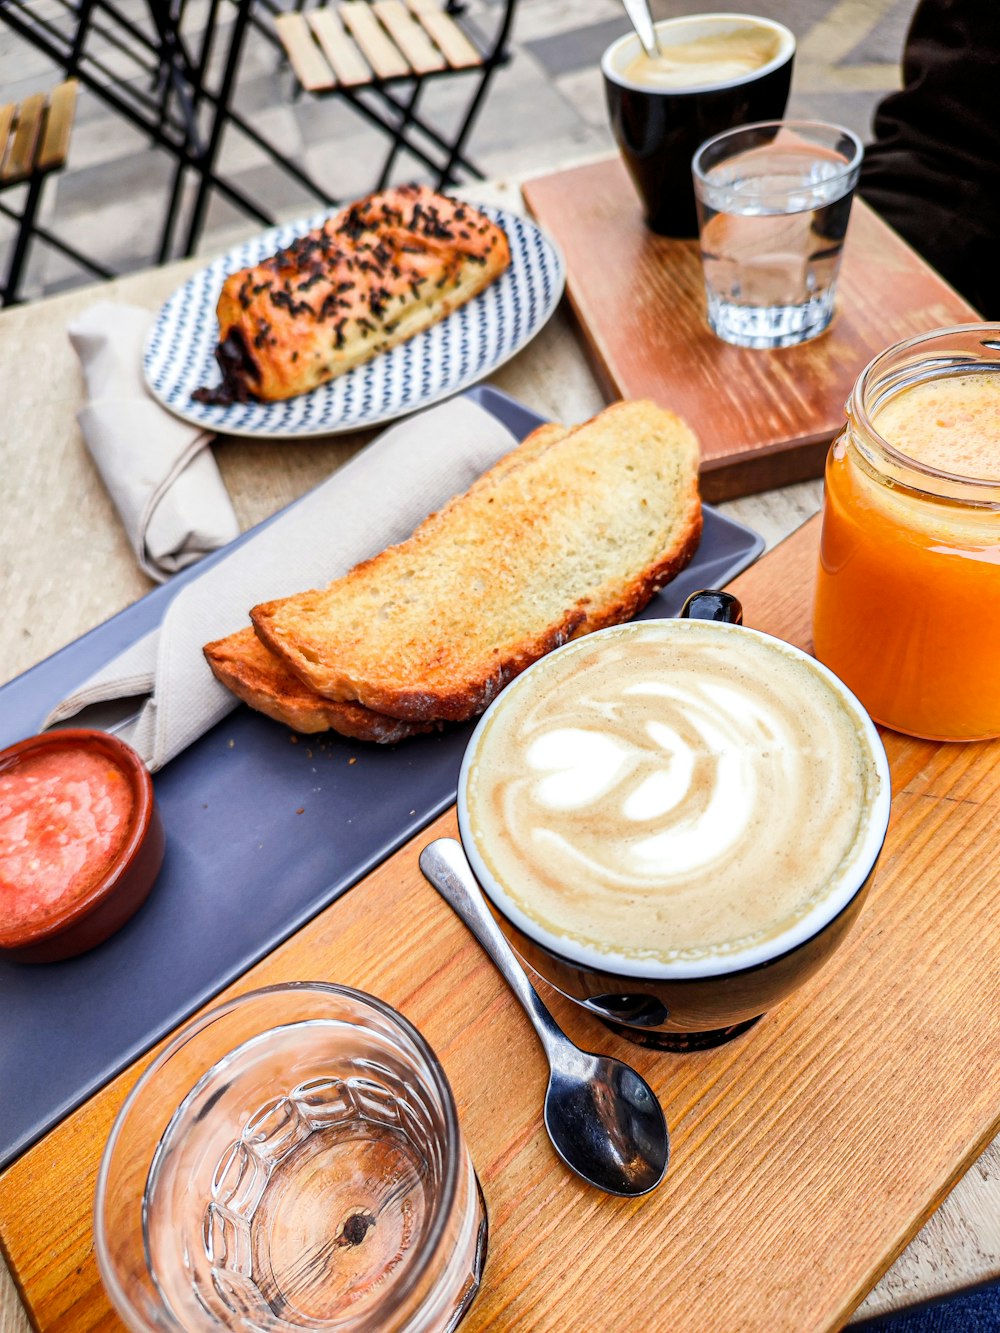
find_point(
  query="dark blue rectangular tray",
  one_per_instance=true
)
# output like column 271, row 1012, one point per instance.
column 261, row 835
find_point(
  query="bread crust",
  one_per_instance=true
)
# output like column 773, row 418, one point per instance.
column 370, row 277
column 259, row 678
column 401, row 633
column 472, row 699
column 242, row 663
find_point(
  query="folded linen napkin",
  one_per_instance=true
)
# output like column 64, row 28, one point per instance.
column 376, row 499
column 158, row 470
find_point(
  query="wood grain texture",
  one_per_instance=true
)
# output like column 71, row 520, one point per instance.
column 8, row 112
column 385, row 59
column 58, row 126
column 346, row 61
column 68, row 567
column 448, row 36
column 805, row 1154
column 408, row 35
column 19, row 162
column 304, row 56
column 764, row 418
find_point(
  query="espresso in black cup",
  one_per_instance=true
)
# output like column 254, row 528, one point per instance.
column 717, row 71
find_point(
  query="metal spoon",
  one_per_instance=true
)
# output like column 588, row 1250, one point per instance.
column 603, row 1119
column 642, row 21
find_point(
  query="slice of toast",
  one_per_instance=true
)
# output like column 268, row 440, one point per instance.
column 577, row 535
column 261, row 679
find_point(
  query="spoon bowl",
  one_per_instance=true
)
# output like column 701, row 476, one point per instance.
column 607, row 1126
column 604, row 1120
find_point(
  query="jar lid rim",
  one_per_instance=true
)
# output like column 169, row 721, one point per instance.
column 985, row 490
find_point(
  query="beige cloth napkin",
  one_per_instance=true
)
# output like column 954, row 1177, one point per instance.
column 376, row 499
column 158, row 470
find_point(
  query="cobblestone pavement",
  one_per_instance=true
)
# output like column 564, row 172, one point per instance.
column 545, row 109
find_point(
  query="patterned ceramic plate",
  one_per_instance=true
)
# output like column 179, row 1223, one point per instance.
column 462, row 348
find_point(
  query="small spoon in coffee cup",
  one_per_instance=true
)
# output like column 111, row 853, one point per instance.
column 604, row 1121
column 642, row 21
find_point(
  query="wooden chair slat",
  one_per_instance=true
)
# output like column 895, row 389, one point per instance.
column 305, row 57
column 382, row 54
column 345, row 59
column 20, row 161
column 58, row 124
column 7, row 114
column 446, row 34
column 409, row 36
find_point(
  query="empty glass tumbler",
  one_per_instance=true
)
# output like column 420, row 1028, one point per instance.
column 292, row 1160
column 774, row 201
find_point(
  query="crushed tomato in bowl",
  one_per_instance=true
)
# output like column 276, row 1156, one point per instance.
column 65, row 815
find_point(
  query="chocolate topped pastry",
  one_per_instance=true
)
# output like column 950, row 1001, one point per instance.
column 377, row 273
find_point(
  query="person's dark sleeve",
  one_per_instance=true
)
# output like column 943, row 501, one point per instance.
column 933, row 171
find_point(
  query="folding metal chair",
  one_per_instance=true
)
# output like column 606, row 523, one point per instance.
column 175, row 87
column 34, row 142
column 364, row 50
column 180, row 87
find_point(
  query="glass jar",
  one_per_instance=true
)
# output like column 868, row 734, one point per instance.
column 907, row 607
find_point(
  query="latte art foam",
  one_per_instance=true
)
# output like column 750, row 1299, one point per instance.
column 671, row 796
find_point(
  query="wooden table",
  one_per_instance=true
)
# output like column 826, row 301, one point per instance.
column 67, row 567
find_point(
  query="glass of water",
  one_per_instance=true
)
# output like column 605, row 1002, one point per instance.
column 774, row 200
column 292, row 1160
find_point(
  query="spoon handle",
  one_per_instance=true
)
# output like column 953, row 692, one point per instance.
column 445, row 865
column 642, row 21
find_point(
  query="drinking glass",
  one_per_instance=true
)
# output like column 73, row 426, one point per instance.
column 292, row 1160
column 774, row 201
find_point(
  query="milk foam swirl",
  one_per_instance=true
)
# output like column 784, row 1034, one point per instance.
column 669, row 798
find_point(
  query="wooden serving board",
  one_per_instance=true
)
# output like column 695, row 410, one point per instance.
column 805, row 1154
column 764, row 418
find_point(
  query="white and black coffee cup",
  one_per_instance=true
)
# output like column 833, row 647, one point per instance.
column 659, row 129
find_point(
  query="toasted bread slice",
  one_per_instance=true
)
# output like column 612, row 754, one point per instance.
column 261, row 680
column 257, row 676
column 578, row 535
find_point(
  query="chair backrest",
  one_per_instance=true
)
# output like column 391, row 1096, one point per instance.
column 357, row 42
column 34, row 133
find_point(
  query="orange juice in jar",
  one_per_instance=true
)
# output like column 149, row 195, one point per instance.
column 908, row 598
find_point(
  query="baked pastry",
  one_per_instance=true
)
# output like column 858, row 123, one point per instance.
column 370, row 277
column 260, row 678
column 255, row 675
column 576, row 534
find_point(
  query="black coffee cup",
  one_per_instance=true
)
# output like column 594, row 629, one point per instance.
column 697, row 1004
column 658, row 130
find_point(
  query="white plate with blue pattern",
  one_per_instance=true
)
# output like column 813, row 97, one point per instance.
column 468, row 344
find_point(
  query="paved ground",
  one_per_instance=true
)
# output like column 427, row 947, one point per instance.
column 545, row 109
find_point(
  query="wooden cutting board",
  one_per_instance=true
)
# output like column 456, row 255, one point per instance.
column 806, row 1154
column 764, row 418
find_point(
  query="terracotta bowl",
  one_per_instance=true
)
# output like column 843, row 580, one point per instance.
column 93, row 914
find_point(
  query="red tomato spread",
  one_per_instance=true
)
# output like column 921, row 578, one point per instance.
column 64, row 817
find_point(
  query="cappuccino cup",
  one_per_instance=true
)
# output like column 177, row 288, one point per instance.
column 675, row 821
column 716, row 71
